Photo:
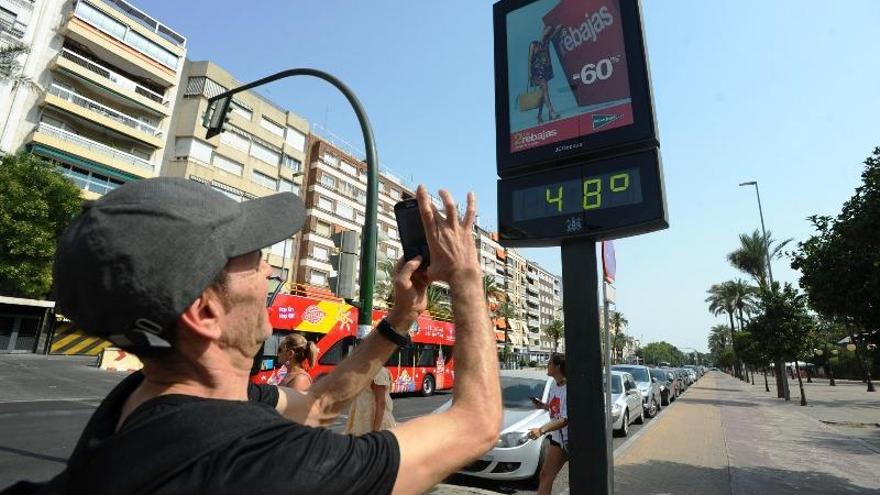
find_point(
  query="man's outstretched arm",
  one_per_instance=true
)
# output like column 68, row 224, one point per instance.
column 327, row 398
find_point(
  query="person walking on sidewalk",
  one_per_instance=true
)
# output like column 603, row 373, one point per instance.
column 557, row 427
column 171, row 270
column 295, row 352
column 372, row 410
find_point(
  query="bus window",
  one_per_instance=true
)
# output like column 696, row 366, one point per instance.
column 427, row 355
column 338, row 351
column 270, row 347
column 447, row 352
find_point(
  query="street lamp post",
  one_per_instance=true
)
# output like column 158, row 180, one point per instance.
column 781, row 380
column 215, row 116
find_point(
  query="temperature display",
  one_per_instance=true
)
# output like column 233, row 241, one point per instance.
column 574, row 196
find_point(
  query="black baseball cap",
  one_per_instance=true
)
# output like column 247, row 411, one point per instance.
column 136, row 258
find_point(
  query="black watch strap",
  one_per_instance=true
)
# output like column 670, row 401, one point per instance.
column 386, row 330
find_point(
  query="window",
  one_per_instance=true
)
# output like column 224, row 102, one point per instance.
column 345, row 211
column 285, row 185
column 231, row 166
column 283, row 248
column 236, row 139
column 193, row 149
column 320, row 253
column 264, row 180
column 349, row 169
column 242, row 109
column 88, row 180
column 359, row 218
column 391, row 253
column 262, row 152
column 292, row 163
column 330, row 159
column 317, row 278
column 395, row 194
column 427, row 356
column 295, row 139
column 278, row 272
column 325, row 204
column 323, row 228
column 327, row 181
column 272, row 126
column 337, row 351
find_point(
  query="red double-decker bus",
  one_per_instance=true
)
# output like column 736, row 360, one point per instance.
column 424, row 366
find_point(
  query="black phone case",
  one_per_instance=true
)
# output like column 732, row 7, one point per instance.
column 410, row 207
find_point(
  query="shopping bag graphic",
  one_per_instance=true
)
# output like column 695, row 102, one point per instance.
column 529, row 100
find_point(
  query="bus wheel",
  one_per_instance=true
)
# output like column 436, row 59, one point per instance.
column 428, row 386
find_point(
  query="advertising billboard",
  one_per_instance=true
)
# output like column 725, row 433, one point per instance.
column 571, row 79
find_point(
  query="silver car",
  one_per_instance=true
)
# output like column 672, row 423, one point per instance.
column 626, row 403
column 515, row 456
column 649, row 387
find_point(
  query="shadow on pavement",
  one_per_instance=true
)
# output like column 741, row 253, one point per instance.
column 679, row 479
column 720, row 402
column 843, row 444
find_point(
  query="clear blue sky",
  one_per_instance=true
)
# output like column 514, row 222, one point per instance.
column 782, row 92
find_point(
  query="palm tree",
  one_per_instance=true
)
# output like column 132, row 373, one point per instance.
column 617, row 321
column 718, row 340
column 722, row 299
column 751, row 256
column 618, row 343
column 438, row 302
column 10, row 69
column 744, row 295
column 554, row 331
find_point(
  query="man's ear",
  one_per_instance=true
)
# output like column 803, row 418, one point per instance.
column 204, row 316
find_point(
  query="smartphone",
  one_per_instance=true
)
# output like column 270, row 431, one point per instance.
column 412, row 231
column 537, row 401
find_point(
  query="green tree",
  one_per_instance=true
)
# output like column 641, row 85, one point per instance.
column 36, row 204
column 751, row 256
column 784, row 328
column 438, row 302
column 840, row 266
column 658, row 352
column 10, row 69
column 719, row 341
column 554, row 331
column 617, row 322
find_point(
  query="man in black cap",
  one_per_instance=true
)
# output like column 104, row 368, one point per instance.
column 171, row 270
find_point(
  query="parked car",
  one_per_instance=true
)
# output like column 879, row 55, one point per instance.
column 666, row 380
column 648, row 386
column 626, row 403
column 515, row 456
column 678, row 383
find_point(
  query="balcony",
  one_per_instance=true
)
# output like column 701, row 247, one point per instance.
column 119, row 80
column 117, row 38
column 98, row 148
column 114, row 115
column 148, row 22
column 15, row 28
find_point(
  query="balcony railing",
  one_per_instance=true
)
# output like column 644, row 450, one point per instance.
column 15, row 28
column 95, row 146
column 145, row 20
column 104, row 110
column 121, row 80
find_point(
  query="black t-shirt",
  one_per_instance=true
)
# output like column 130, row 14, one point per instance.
column 187, row 444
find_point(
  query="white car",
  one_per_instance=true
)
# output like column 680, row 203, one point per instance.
column 516, row 456
column 626, row 402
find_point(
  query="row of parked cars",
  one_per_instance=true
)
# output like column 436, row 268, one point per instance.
column 637, row 392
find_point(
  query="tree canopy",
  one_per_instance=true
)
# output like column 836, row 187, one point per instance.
column 840, row 264
column 36, row 204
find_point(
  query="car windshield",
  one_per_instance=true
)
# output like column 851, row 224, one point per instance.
column 515, row 391
column 615, row 385
column 640, row 374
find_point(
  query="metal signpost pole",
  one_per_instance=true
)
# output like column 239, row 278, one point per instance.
column 589, row 428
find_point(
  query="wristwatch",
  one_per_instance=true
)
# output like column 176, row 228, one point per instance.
column 386, row 330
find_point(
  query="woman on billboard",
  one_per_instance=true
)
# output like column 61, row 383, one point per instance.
column 541, row 71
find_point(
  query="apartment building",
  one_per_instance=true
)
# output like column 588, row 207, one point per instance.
column 521, row 335
column 335, row 194
column 102, row 79
column 260, row 151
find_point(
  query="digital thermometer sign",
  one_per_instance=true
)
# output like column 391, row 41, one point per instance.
column 609, row 198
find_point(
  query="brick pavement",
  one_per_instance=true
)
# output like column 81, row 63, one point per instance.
column 728, row 437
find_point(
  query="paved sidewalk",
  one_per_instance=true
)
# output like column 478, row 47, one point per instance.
column 729, row 437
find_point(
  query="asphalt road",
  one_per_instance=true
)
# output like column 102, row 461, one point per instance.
column 46, row 401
